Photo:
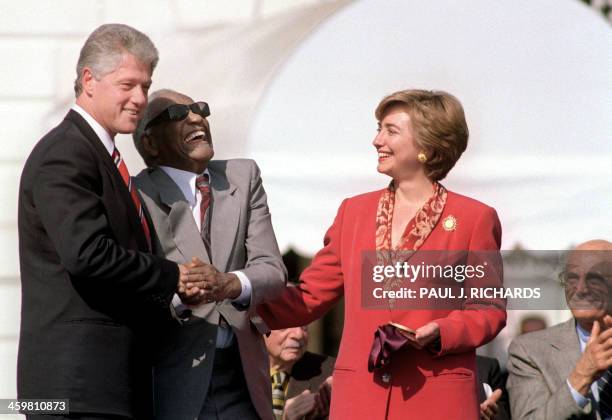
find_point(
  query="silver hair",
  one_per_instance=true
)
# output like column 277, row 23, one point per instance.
column 106, row 45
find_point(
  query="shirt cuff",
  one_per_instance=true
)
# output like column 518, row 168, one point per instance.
column 178, row 309
column 176, row 301
column 582, row 401
column 244, row 299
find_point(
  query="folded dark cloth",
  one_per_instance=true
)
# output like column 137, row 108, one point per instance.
column 387, row 340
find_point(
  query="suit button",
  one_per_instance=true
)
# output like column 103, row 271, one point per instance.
column 386, row 378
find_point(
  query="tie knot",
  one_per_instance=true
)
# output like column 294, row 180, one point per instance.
column 202, row 182
column 116, row 156
column 279, row 377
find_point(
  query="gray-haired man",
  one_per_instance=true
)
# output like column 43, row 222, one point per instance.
column 89, row 283
column 565, row 371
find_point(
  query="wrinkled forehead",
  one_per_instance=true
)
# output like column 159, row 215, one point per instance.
column 278, row 334
column 590, row 260
column 286, row 332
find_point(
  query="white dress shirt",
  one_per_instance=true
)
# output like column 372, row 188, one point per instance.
column 581, row 400
column 102, row 134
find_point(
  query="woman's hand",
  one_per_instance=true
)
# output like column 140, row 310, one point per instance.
column 424, row 336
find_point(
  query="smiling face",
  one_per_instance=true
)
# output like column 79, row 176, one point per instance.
column 588, row 284
column 118, row 99
column 287, row 346
column 185, row 144
column 396, row 145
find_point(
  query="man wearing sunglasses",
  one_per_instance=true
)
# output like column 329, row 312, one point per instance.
column 214, row 365
column 565, row 371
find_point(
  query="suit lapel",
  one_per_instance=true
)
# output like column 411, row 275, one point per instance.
column 183, row 228
column 225, row 215
column 113, row 172
column 568, row 346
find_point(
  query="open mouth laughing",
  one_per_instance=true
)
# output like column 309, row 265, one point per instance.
column 196, row 136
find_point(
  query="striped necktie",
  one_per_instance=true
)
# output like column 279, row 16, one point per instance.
column 279, row 383
column 604, row 386
column 202, row 184
column 125, row 174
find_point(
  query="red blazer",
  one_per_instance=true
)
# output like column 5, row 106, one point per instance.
column 416, row 384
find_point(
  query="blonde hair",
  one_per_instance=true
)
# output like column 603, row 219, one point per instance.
column 439, row 126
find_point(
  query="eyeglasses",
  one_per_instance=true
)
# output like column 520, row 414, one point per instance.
column 178, row 112
column 593, row 280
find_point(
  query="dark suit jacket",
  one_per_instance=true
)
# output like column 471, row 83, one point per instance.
column 489, row 372
column 86, row 284
column 309, row 373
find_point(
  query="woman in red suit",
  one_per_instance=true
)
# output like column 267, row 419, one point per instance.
column 421, row 135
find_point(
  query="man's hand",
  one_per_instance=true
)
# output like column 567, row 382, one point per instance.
column 299, row 406
column 424, row 336
column 214, row 287
column 596, row 358
column 323, row 399
column 488, row 408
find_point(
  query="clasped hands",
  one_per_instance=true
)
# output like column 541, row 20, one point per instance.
column 200, row 282
column 308, row 404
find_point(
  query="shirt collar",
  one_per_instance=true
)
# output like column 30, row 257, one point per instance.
column 185, row 180
column 583, row 335
column 102, row 134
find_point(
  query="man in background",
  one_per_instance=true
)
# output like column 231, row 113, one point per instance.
column 532, row 323
column 563, row 372
column 301, row 380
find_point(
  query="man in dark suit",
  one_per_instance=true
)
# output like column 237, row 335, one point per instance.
column 214, row 366
column 301, row 380
column 89, row 286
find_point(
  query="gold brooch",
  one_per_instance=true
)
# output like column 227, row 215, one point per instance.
column 450, row 223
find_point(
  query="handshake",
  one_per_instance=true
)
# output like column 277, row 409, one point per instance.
column 200, row 282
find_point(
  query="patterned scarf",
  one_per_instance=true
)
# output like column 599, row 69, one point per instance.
column 416, row 232
column 418, row 229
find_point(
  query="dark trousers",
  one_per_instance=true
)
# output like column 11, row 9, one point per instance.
column 228, row 396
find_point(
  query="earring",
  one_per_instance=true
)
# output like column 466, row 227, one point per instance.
column 422, row 157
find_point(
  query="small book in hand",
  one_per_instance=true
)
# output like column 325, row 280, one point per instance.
column 403, row 328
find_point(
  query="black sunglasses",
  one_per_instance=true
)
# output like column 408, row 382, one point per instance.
column 178, row 112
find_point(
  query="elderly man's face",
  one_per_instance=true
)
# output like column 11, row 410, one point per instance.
column 287, row 346
column 185, row 144
column 119, row 98
column 588, row 289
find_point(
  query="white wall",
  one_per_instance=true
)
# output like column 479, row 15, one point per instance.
column 39, row 46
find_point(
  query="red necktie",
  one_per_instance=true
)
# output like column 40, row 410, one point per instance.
column 125, row 174
column 204, row 187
